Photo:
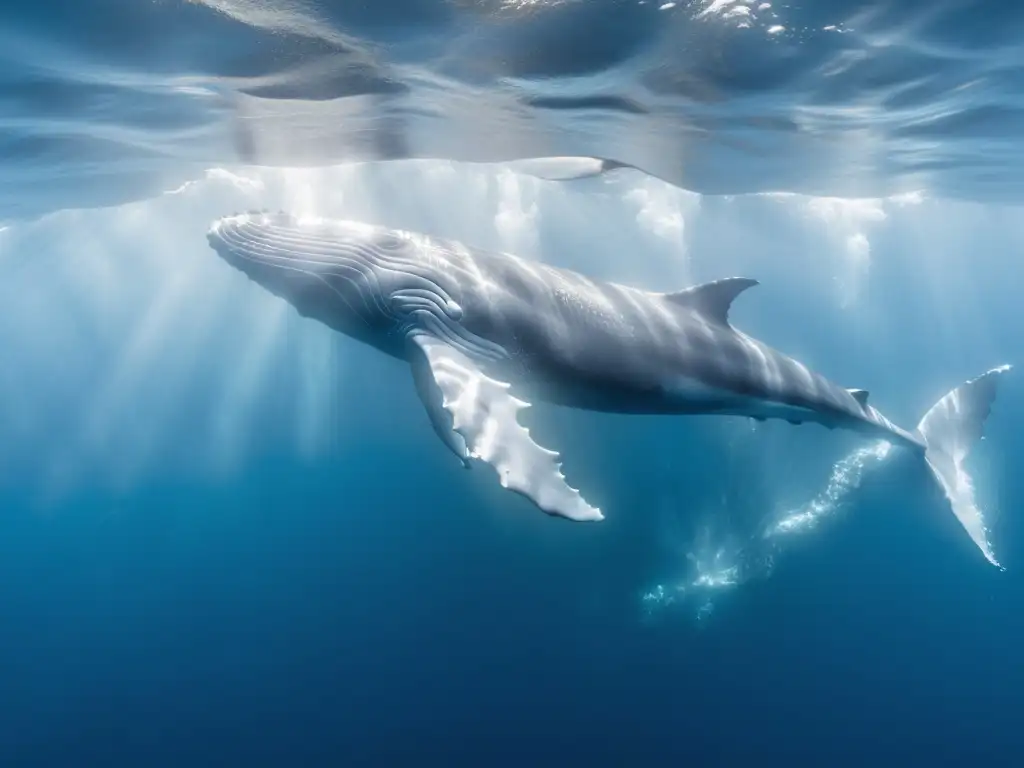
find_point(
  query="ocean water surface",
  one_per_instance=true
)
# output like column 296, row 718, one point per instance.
column 229, row 536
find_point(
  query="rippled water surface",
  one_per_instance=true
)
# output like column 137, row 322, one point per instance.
column 846, row 98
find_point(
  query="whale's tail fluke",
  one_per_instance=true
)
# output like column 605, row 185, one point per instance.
column 950, row 429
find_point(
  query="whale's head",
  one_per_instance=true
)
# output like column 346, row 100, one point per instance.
column 328, row 270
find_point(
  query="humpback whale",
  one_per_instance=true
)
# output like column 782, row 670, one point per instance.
column 485, row 333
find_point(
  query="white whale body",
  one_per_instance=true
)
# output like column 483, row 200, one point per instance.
column 484, row 333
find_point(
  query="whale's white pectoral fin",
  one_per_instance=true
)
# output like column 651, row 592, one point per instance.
column 433, row 400
column 476, row 417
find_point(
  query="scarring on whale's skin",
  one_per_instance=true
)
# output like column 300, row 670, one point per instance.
column 482, row 330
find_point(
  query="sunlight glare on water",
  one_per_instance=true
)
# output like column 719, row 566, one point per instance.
column 859, row 98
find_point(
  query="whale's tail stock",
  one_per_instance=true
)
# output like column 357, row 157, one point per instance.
column 950, row 429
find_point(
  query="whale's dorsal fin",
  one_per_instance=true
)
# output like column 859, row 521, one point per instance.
column 713, row 299
column 860, row 395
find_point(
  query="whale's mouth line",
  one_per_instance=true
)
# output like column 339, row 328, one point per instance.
column 244, row 253
column 387, row 281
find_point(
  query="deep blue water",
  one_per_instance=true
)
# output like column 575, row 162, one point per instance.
column 230, row 537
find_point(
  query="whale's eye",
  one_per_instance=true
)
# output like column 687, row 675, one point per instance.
column 389, row 242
